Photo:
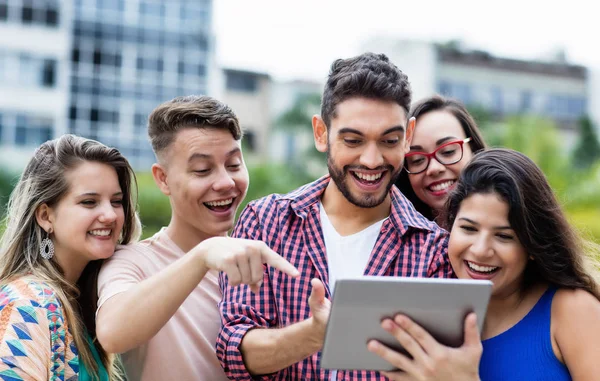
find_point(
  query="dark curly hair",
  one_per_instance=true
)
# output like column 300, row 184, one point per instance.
column 368, row 75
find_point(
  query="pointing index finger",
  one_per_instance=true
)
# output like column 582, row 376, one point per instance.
column 273, row 259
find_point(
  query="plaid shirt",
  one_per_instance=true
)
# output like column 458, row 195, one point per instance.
column 408, row 245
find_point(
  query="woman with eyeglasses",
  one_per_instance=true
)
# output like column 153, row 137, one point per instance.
column 444, row 141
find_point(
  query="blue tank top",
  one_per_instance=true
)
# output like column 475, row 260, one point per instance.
column 524, row 352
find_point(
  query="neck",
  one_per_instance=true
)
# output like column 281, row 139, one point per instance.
column 185, row 236
column 501, row 307
column 347, row 217
column 72, row 266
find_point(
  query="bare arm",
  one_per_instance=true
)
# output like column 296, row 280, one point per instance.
column 164, row 292
column 268, row 351
column 576, row 330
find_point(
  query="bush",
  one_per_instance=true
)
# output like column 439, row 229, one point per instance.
column 154, row 206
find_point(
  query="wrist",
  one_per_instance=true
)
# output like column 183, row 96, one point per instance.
column 198, row 257
column 316, row 333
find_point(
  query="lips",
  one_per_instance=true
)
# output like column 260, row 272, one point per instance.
column 440, row 188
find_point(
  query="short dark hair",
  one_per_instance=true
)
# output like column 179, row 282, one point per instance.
column 469, row 126
column 192, row 111
column 534, row 214
column 368, row 75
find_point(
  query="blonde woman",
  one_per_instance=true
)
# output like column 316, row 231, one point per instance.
column 72, row 205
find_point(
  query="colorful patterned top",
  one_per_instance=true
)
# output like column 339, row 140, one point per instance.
column 35, row 342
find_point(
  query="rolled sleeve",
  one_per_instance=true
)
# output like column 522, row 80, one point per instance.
column 440, row 266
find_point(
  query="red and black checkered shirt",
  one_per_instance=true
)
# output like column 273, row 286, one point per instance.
column 408, row 245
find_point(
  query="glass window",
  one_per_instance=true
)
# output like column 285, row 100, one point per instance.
column 241, row 81
column 525, row 105
column 49, row 73
column 497, row 99
column 52, row 16
column 444, row 88
column 27, row 13
column 3, row 12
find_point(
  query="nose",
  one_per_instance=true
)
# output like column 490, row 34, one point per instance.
column 371, row 157
column 108, row 214
column 481, row 247
column 223, row 182
column 435, row 167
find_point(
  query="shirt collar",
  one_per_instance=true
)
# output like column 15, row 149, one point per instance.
column 403, row 214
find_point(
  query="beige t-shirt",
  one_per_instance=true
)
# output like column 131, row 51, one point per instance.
column 184, row 349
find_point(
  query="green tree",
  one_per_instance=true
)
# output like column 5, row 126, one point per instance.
column 587, row 149
column 296, row 122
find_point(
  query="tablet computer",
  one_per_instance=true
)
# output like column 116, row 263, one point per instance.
column 359, row 305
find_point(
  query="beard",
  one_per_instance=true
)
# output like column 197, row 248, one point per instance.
column 340, row 177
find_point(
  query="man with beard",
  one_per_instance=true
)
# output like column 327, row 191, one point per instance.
column 349, row 223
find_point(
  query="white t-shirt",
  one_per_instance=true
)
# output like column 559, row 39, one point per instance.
column 347, row 256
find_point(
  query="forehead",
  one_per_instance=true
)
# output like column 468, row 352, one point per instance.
column 206, row 141
column 91, row 176
column 485, row 208
column 368, row 115
column 436, row 125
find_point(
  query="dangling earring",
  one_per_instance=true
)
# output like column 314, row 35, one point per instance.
column 47, row 247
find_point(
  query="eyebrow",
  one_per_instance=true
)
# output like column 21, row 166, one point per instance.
column 95, row 194
column 348, row 130
column 438, row 142
column 203, row 156
column 475, row 223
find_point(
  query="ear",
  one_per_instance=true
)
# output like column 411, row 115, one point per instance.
column 320, row 133
column 160, row 178
column 44, row 215
column 410, row 130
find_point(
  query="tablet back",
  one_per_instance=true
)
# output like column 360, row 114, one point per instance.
column 359, row 305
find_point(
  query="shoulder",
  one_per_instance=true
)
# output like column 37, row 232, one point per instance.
column 33, row 299
column 28, row 288
column 574, row 305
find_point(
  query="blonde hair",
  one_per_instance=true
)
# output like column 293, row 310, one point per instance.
column 44, row 182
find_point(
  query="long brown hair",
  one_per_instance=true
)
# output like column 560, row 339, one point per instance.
column 44, row 182
column 559, row 254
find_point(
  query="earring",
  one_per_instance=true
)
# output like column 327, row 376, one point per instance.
column 47, row 247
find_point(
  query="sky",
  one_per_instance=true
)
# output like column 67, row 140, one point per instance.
column 300, row 39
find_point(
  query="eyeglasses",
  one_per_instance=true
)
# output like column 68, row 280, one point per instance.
column 446, row 154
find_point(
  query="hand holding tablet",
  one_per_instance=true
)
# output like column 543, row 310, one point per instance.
column 360, row 305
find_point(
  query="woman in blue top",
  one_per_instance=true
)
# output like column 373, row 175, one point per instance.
column 543, row 319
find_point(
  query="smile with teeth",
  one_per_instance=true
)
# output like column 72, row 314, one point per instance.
column 100, row 232
column 368, row 177
column 221, row 203
column 441, row 186
column 481, row 269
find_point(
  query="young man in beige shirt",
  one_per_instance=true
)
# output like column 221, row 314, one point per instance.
column 158, row 298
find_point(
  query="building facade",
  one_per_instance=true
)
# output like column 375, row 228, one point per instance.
column 97, row 68
column 502, row 86
column 34, row 93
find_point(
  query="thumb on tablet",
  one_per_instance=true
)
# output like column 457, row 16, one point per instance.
column 472, row 336
column 317, row 294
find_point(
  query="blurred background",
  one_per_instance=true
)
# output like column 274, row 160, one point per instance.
column 529, row 73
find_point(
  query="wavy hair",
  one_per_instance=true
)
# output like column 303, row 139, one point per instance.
column 44, row 181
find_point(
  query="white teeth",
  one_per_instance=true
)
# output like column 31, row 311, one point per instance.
column 101, row 233
column 364, row 176
column 220, row 203
column 441, row 186
column 481, row 269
